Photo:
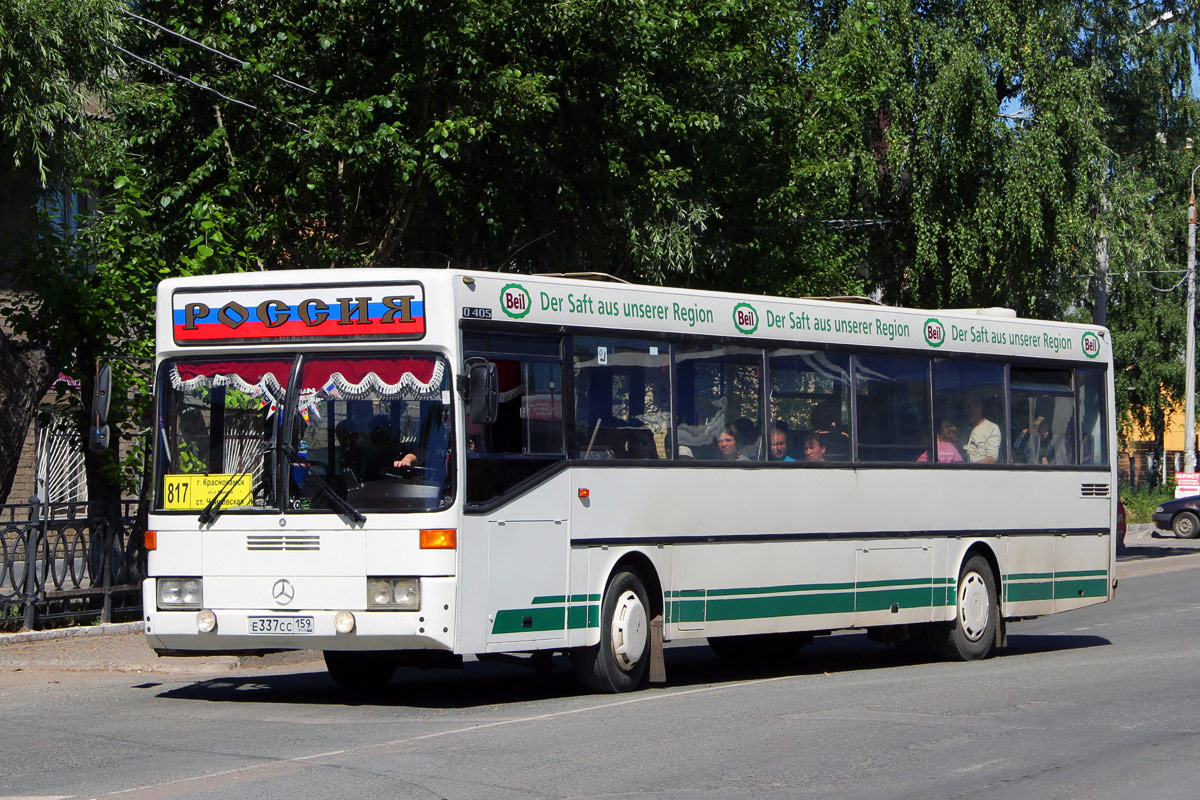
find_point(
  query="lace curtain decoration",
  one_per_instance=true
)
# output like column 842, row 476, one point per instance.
column 268, row 387
column 373, row 386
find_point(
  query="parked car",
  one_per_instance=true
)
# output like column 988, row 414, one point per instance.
column 1120, row 525
column 1181, row 517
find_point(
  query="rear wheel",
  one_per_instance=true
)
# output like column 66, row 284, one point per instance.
column 360, row 672
column 971, row 636
column 618, row 663
column 1186, row 525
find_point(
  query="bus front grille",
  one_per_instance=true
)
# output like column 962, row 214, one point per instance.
column 282, row 541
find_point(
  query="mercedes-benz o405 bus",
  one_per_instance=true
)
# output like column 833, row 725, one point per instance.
column 409, row 466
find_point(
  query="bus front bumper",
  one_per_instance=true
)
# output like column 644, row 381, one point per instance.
column 243, row 629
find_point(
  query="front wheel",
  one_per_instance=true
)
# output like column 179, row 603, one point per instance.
column 360, row 672
column 618, row 663
column 971, row 636
column 1186, row 525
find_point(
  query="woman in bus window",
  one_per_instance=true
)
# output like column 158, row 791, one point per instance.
column 728, row 445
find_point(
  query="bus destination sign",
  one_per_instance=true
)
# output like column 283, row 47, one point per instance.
column 396, row 311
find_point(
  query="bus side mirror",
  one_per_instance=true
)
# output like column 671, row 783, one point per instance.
column 484, row 388
column 98, row 430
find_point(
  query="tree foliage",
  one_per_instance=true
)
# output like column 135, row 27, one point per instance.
column 940, row 153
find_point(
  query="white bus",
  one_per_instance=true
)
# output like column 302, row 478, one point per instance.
column 409, row 466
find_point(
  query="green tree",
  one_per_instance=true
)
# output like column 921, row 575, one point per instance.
column 53, row 80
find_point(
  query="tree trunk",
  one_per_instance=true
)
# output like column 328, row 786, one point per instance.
column 26, row 374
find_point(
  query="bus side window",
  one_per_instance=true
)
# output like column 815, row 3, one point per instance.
column 970, row 395
column 893, row 408
column 719, row 392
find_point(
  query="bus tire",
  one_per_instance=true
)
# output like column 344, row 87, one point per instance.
column 618, row 663
column 973, row 633
column 1186, row 525
column 770, row 648
column 360, row 672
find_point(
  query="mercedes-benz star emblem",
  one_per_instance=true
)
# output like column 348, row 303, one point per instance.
column 283, row 591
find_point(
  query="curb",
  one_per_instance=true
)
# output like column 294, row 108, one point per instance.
column 56, row 634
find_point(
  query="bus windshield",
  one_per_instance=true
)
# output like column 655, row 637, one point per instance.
column 369, row 433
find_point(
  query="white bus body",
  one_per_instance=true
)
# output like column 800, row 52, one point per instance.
column 548, row 530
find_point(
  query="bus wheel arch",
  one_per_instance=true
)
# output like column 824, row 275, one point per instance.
column 978, row 625
column 632, row 598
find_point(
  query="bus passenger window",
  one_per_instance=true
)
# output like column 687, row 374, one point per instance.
column 810, row 396
column 893, row 422
column 970, row 396
column 718, row 402
column 1042, row 415
column 622, row 398
column 1093, row 425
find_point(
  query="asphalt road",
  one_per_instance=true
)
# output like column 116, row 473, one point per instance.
column 1098, row 703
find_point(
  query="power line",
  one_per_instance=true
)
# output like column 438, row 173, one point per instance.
column 234, row 59
column 201, row 86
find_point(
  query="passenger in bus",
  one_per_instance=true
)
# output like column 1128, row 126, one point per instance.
column 833, row 436
column 814, row 447
column 947, row 452
column 983, row 442
column 749, row 442
column 728, row 446
column 779, row 442
column 641, row 444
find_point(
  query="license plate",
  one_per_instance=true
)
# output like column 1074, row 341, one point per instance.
column 284, row 625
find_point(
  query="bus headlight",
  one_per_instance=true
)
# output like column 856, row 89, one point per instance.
column 180, row 594
column 395, row 594
column 206, row 621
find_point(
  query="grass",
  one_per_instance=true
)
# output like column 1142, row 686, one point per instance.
column 1140, row 501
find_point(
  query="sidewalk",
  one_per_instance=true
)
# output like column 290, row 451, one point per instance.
column 122, row 647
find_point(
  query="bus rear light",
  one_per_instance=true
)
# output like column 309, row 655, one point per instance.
column 439, row 539
column 151, row 540
column 394, row 594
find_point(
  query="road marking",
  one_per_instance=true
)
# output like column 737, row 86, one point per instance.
column 279, row 766
column 35, row 797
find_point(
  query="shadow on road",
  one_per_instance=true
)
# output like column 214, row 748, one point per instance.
column 490, row 684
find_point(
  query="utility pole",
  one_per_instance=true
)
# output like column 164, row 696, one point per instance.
column 1189, row 366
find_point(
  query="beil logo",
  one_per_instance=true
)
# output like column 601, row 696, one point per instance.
column 745, row 318
column 935, row 333
column 515, row 301
column 1091, row 345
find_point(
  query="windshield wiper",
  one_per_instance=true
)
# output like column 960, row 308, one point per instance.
column 217, row 503
column 339, row 502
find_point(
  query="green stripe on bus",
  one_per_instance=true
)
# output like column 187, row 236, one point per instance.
column 795, row 600
column 1073, row 589
column 539, row 619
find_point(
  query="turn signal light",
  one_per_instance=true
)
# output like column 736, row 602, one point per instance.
column 151, row 540
column 439, row 539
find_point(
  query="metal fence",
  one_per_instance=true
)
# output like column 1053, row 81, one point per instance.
column 57, row 564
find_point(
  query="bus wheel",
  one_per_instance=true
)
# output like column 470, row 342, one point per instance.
column 1186, row 525
column 971, row 636
column 618, row 663
column 758, row 647
column 360, row 672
